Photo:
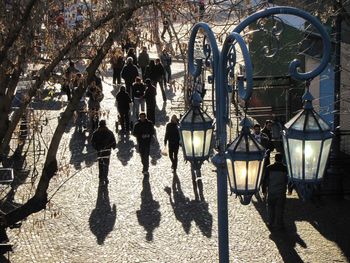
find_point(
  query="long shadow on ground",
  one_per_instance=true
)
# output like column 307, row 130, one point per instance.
column 149, row 215
column 103, row 217
column 186, row 210
column 331, row 219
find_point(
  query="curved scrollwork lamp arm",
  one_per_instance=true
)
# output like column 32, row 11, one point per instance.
column 295, row 64
column 195, row 70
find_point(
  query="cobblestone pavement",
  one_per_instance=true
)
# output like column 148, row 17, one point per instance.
column 155, row 219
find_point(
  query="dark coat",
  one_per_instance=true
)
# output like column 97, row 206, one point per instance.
column 158, row 72
column 275, row 180
column 143, row 59
column 172, row 135
column 138, row 90
column 103, row 141
column 150, row 95
column 129, row 73
column 150, row 73
column 123, row 101
column 143, row 131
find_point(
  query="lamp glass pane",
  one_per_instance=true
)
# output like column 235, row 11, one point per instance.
column 208, row 141
column 296, row 157
column 253, row 173
column 198, row 143
column 261, row 171
column 311, row 124
column 324, row 156
column 299, row 124
column 324, row 125
column 312, row 155
column 240, row 174
column 230, row 172
column 187, row 142
column 286, row 154
column 241, row 147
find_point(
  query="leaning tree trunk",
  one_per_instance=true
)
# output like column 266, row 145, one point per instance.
column 40, row 198
column 44, row 75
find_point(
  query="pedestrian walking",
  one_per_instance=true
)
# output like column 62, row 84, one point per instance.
column 166, row 60
column 144, row 131
column 138, row 92
column 95, row 96
column 172, row 136
column 103, row 141
column 129, row 74
column 123, row 106
column 201, row 9
column 81, row 115
column 159, row 74
column 117, row 62
column 66, row 85
column 143, row 60
column 150, row 98
column 131, row 53
column 166, row 28
column 274, row 187
column 150, row 72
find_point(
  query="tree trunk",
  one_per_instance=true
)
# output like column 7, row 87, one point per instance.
column 39, row 200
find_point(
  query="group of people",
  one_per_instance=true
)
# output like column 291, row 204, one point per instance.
column 141, row 76
column 142, row 96
column 103, row 140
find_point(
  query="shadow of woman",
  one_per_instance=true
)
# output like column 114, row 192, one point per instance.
column 149, row 215
column 103, row 217
column 180, row 204
column 125, row 148
column 185, row 210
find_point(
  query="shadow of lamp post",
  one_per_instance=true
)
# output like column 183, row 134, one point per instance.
column 307, row 137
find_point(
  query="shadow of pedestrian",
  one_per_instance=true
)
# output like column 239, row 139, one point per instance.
column 21, row 174
column 285, row 240
column 155, row 152
column 125, row 148
column 161, row 115
column 103, row 217
column 185, row 210
column 76, row 147
column 331, row 219
column 149, row 215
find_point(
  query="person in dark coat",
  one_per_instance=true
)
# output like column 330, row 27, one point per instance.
column 138, row 91
column 131, row 53
column 172, row 136
column 103, row 141
column 144, row 131
column 159, row 76
column 166, row 62
column 95, row 95
column 150, row 71
column 117, row 62
column 275, row 186
column 129, row 74
column 123, row 105
column 143, row 60
column 150, row 97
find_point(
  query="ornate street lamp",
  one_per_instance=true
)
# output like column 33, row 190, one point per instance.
column 196, row 131
column 307, row 137
column 307, row 140
column 245, row 162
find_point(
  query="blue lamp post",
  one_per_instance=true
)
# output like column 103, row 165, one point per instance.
column 242, row 161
